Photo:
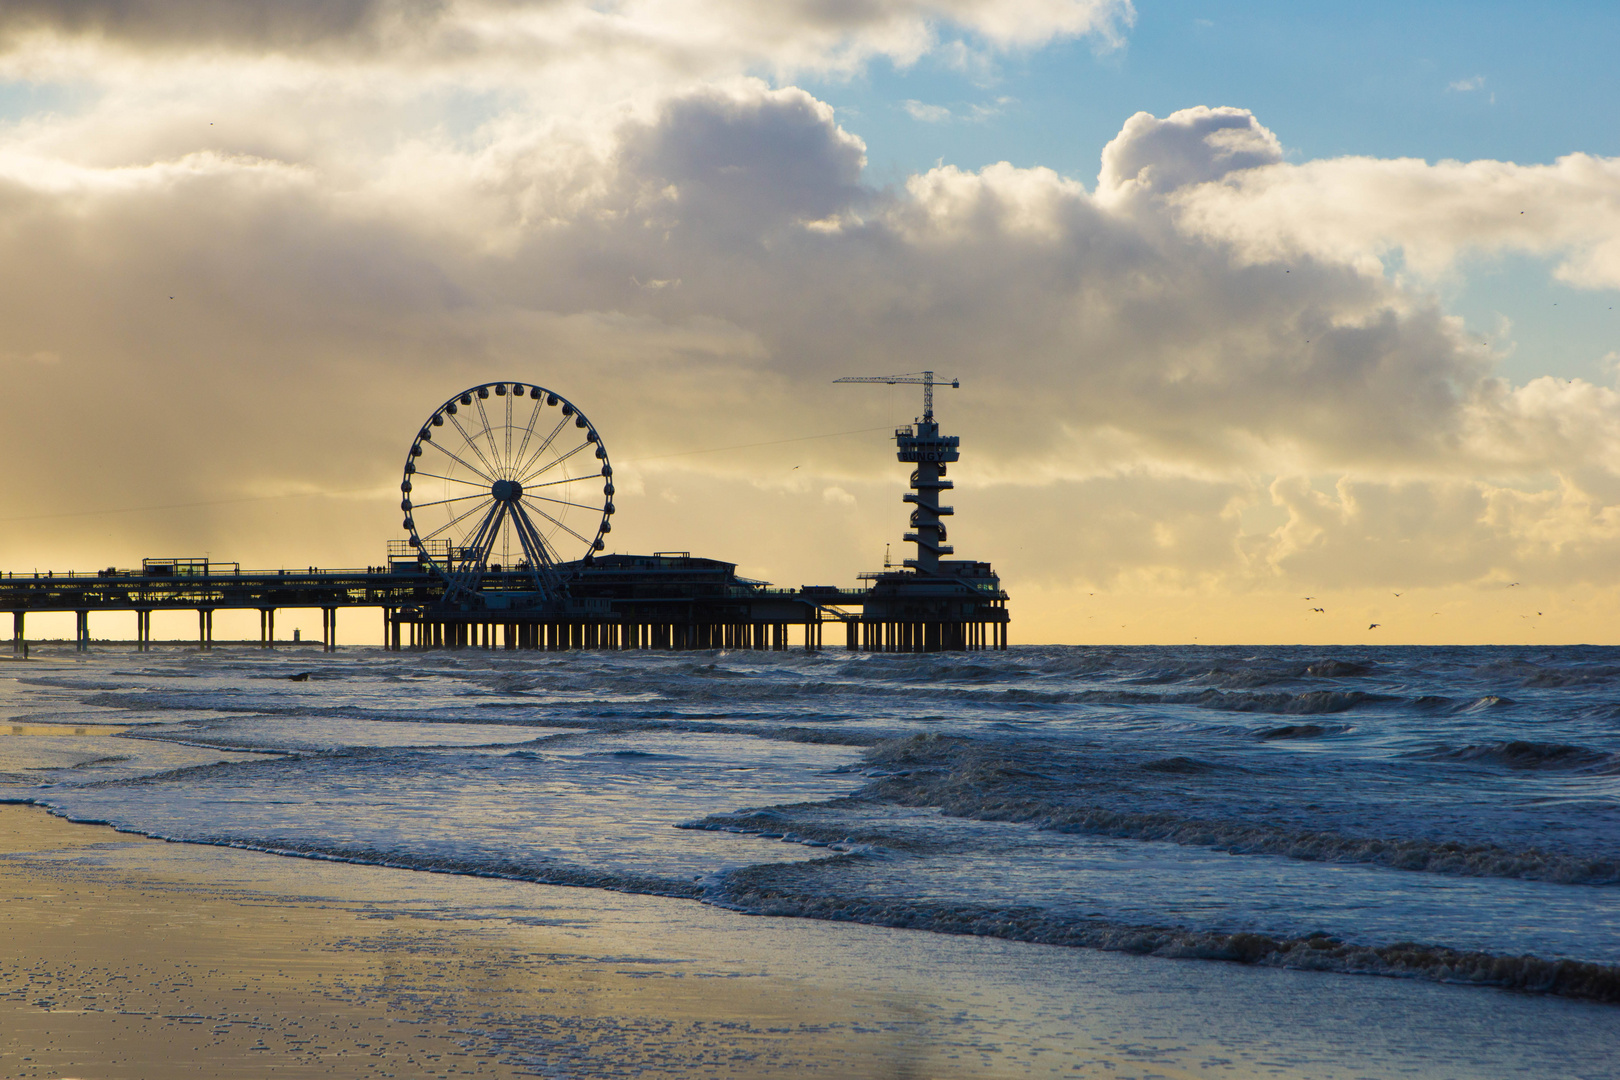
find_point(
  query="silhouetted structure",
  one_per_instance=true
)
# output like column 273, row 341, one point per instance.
column 492, row 574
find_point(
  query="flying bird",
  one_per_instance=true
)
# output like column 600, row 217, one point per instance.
column 1374, row 626
column 1397, row 594
column 1322, row 610
column 1513, row 584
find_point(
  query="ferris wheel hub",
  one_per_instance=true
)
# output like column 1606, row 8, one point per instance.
column 506, row 490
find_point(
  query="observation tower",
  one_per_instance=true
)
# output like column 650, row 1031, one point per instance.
column 933, row 603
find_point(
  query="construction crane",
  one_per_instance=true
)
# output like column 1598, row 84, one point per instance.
column 923, row 378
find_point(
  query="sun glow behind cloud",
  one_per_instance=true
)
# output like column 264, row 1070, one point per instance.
column 266, row 240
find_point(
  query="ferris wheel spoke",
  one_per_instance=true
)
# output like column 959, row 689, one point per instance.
column 528, row 432
column 484, row 537
column 529, row 538
column 541, row 451
column 472, row 444
column 564, row 480
column 415, row 506
column 507, row 431
column 563, row 502
column 453, row 522
column 563, row 527
column 554, row 463
column 488, row 433
column 464, row 463
column 453, row 479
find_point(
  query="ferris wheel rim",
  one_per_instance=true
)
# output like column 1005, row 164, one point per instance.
column 501, row 481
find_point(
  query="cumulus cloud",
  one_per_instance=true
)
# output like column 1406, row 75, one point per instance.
column 1357, row 210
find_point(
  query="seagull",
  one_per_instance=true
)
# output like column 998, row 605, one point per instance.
column 1310, row 598
column 1397, row 594
column 1512, row 584
column 1322, row 610
column 1374, row 626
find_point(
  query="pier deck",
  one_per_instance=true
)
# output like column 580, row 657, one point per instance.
column 660, row 601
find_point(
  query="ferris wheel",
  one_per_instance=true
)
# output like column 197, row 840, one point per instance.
column 507, row 478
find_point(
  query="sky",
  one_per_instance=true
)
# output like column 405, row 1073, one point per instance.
column 1257, row 308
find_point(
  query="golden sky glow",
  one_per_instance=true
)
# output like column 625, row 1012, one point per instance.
column 1206, row 389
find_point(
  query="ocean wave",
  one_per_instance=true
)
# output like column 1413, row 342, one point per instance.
column 780, row 823
column 1309, row 702
column 1301, row 731
column 1301, row 703
column 1539, row 676
column 779, row 890
column 1518, row 754
column 1338, row 669
column 1180, row 766
column 538, row 871
column 968, row 779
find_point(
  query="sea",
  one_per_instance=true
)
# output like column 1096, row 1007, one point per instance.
column 1449, row 815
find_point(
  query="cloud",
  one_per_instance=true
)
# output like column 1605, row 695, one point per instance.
column 1463, row 86
column 245, row 23
column 707, row 38
column 981, row 112
column 928, row 114
column 1357, row 210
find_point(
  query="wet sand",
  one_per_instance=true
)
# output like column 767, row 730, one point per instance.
column 127, row 957
column 110, row 973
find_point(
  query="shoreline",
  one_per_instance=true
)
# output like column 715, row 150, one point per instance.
column 127, row 957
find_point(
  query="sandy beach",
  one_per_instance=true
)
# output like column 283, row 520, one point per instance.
column 113, row 973
column 127, row 957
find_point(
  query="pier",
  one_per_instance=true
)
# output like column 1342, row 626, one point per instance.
column 668, row 600
column 507, row 498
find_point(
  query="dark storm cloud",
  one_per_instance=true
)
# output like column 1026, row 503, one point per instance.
column 245, row 24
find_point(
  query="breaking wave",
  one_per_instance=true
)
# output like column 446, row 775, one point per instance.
column 968, row 779
column 770, row 890
column 1518, row 754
